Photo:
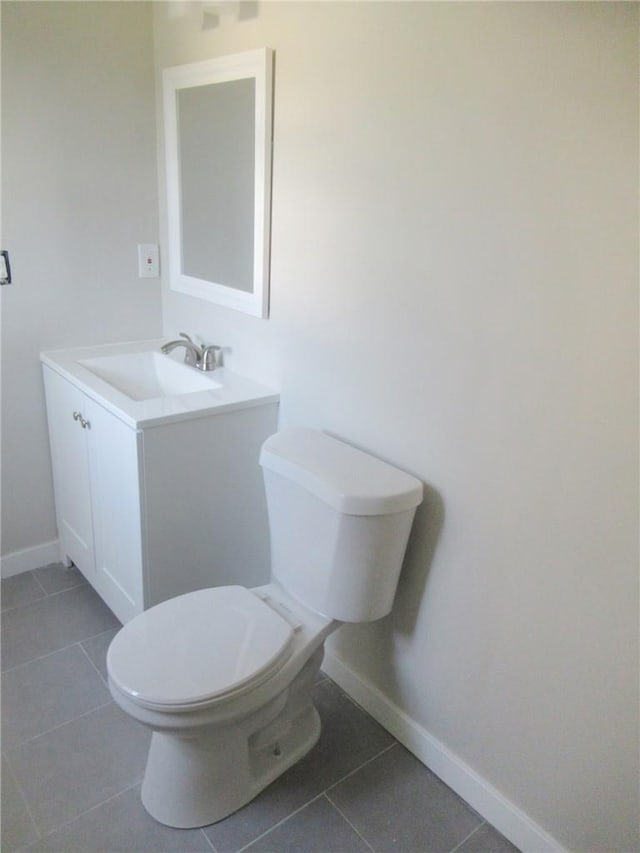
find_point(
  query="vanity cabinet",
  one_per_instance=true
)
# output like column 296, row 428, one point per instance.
column 71, row 470
column 147, row 512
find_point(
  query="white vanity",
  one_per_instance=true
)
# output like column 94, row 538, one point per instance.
column 155, row 465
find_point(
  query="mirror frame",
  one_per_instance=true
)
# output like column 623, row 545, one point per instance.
column 256, row 64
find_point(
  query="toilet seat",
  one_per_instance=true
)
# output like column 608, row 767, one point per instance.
column 198, row 647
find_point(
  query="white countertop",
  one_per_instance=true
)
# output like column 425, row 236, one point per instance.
column 236, row 392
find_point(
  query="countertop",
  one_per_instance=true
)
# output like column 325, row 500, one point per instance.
column 236, row 392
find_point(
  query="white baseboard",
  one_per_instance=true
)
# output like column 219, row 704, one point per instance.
column 496, row 809
column 29, row 558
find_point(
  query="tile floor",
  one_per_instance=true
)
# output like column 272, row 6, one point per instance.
column 72, row 761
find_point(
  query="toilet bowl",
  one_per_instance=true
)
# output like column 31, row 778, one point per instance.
column 223, row 676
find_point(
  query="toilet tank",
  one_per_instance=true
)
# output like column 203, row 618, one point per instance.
column 339, row 521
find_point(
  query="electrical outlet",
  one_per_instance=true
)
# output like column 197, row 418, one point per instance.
column 148, row 260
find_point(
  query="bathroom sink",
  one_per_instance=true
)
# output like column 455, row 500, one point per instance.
column 143, row 387
column 148, row 375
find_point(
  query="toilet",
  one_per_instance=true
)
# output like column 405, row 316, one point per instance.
column 223, row 677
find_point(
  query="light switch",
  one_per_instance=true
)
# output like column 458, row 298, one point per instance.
column 148, row 260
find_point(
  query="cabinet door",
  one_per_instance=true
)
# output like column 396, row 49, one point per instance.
column 113, row 459
column 65, row 405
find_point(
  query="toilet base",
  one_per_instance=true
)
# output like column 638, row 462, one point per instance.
column 200, row 776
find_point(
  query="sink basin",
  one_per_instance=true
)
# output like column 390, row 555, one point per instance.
column 148, row 375
column 143, row 387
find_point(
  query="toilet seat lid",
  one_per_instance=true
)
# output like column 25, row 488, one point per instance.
column 198, row 646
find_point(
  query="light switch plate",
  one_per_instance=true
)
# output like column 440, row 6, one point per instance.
column 148, row 260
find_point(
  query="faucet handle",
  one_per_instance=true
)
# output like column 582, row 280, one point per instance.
column 211, row 357
column 185, row 336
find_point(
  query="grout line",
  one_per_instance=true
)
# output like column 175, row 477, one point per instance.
column 208, row 840
column 62, row 591
column 79, row 581
column 86, row 653
column 360, row 766
column 55, row 651
column 45, row 595
column 59, row 726
column 18, row 606
column 23, row 796
column 100, row 633
column 280, row 822
column 317, row 797
column 464, row 840
column 354, row 828
column 41, row 657
column 35, row 577
column 67, row 823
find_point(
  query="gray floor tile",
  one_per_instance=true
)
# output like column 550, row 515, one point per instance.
column 486, row 839
column 425, row 815
column 122, row 825
column 97, row 647
column 57, row 577
column 18, row 829
column 348, row 738
column 78, row 765
column 21, row 589
column 317, row 828
column 42, row 694
column 54, row 622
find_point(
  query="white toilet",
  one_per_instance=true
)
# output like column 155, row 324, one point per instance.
column 223, row 676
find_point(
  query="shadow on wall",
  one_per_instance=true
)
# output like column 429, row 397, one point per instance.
column 370, row 649
column 421, row 549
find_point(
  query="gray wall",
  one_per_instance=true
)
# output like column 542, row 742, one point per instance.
column 78, row 193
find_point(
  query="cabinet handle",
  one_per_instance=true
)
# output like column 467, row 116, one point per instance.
column 77, row 416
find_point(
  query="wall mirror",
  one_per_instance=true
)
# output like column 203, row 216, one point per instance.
column 217, row 121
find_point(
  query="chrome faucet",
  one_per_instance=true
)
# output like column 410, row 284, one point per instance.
column 204, row 358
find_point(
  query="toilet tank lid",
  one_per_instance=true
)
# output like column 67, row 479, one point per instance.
column 349, row 480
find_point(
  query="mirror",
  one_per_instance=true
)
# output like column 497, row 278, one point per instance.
column 217, row 118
